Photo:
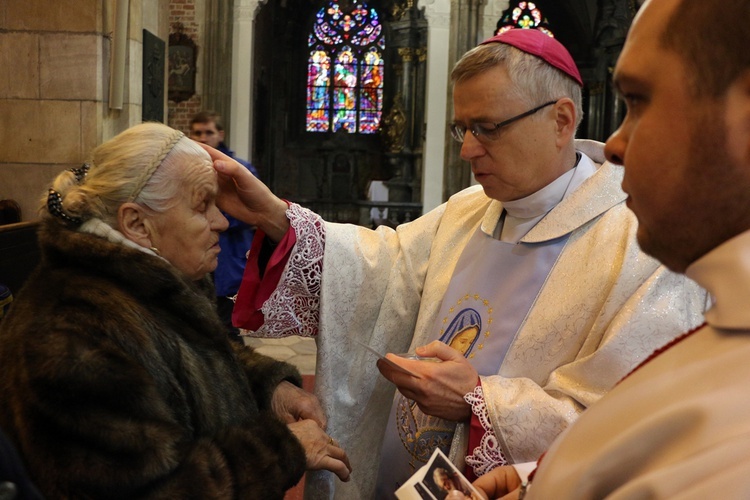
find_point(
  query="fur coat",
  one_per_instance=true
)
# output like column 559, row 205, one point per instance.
column 117, row 380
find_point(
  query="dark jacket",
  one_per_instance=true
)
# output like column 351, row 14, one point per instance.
column 117, row 381
column 235, row 242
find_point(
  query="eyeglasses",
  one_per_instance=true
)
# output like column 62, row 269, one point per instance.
column 490, row 131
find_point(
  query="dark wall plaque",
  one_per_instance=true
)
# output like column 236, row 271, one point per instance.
column 153, row 77
column 182, row 57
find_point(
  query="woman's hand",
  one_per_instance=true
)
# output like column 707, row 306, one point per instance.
column 291, row 404
column 321, row 450
column 305, row 418
column 245, row 197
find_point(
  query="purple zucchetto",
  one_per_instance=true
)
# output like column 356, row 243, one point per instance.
column 541, row 45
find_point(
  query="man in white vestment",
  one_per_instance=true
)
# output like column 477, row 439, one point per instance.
column 530, row 289
column 678, row 426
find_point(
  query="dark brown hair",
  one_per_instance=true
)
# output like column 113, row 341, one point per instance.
column 208, row 117
column 717, row 53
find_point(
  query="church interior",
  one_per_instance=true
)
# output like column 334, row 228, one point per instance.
column 342, row 106
column 367, row 143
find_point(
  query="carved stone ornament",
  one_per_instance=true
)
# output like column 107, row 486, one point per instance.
column 394, row 126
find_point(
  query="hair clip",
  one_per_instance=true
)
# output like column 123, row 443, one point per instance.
column 81, row 172
column 54, row 206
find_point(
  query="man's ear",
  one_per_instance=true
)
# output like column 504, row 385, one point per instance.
column 134, row 224
column 737, row 118
column 565, row 121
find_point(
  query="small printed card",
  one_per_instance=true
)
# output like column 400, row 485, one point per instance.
column 435, row 480
column 391, row 363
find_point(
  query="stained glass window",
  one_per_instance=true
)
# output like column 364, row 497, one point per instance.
column 345, row 70
column 318, row 85
column 525, row 15
column 344, row 91
column 371, row 94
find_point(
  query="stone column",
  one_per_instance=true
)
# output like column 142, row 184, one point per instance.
column 438, row 14
column 465, row 25
column 242, row 75
column 604, row 111
column 404, row 134
column 217, row 60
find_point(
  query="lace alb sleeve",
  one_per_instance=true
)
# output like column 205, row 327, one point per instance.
column 487, row 455
column 293, row 308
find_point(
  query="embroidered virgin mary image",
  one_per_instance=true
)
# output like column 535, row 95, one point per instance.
column 463, row 331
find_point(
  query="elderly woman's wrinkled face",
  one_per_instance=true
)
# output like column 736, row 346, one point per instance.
column 187, row 235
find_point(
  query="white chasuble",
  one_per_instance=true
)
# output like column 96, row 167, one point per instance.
column 490, row 294
column 491, row 291
column 602, row 309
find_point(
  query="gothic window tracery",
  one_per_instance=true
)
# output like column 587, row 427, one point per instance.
column 525, row 15
column 345, row 70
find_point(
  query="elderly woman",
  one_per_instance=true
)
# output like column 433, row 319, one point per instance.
column 117, row 378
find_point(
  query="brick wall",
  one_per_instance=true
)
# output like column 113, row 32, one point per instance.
column 181, row 113
column 183, row 13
